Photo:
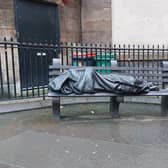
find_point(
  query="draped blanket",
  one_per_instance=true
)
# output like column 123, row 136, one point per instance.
column 79, row 81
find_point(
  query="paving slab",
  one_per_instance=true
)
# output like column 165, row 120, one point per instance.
column 33, row 149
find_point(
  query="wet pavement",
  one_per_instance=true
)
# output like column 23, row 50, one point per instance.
column 86, row 137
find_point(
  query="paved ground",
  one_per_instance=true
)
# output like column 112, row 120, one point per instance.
column 85, row 138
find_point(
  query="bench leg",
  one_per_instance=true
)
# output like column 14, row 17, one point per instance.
column 56, row 108
column 164, row 105
column 114, row 107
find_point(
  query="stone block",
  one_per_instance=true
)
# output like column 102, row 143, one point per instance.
column 70, row 12
column 7, row 18
column 97, row 37
column 6, row 4
column 70, row 37
column 90, row 14
column 102, row 25
column 70, row 25
column 96, row 4
column 73, row 3
column 7, row 32
column 96, row 21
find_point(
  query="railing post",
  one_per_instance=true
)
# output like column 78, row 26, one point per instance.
column 164, row 99
column 164, row 71
column 1, row 79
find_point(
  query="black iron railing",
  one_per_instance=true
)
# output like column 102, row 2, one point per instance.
column 24, row 66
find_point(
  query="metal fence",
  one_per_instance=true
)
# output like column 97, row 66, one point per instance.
column 24, row 66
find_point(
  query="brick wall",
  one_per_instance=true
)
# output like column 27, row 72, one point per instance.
column 96, row 21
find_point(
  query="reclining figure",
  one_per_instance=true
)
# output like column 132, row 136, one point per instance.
column 78, row 81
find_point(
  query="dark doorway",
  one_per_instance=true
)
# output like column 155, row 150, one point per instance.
column 36, row 22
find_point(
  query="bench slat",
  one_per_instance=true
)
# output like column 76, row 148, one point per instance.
column 53, row 67
column 148, row 80
column 56, row 73
column 162, row 92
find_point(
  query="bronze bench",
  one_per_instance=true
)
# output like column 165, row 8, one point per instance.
column 157, row 75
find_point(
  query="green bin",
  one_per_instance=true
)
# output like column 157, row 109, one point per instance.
column 104, row 60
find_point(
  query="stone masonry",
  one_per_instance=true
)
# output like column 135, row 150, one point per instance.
column 96, row 21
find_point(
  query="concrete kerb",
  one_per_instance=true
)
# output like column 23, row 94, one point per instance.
column 38, row 103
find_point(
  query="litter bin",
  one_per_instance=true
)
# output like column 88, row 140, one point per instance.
column 104, row 60
column 83, row 59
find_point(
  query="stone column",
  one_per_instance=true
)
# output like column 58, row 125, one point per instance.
column 96, row 21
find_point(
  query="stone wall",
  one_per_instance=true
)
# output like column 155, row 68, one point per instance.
column 7, row 29
column 70, row 26
column 7, row 21
column 70, row 21
column 95, row 14
column 96, row 21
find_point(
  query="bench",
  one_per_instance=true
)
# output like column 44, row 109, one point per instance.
column 158, row 75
